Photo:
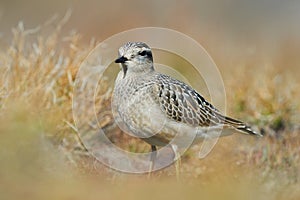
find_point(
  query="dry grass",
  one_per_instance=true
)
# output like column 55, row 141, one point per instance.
column 41, row 156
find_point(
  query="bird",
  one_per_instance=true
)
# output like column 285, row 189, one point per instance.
column 151, row 105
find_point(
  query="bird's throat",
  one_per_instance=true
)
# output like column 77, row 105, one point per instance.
column 125, row 68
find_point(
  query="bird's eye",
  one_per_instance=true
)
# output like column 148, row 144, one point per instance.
column 142, row 53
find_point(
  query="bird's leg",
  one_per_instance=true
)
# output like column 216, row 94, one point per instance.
column 177, row 160
column 152, row 159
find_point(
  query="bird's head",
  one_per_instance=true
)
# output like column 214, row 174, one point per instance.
column 135, row 57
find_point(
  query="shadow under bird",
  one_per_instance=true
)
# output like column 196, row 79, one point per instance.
column 155, row 107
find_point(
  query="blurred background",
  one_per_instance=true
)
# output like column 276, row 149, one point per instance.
column 249, row 27
column 255, row 44
column 232, row 31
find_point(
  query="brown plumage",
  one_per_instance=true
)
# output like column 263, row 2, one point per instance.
column 182, row 103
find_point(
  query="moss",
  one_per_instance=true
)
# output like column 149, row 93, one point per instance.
column 278, row 124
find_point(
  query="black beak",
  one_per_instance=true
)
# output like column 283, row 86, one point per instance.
column 122, row 59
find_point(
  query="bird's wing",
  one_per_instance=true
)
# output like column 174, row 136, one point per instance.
column 182, row 103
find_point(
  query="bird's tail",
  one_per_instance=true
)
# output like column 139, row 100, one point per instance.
column 241, row 126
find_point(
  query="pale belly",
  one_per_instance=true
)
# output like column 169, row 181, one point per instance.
column 136, row 111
